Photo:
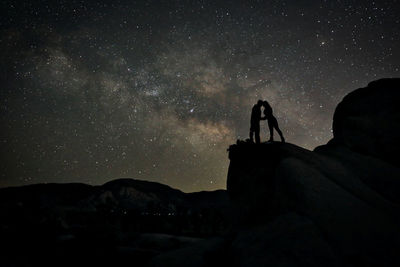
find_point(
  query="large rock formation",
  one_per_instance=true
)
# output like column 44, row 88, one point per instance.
column 348, row 191
column 368, row 120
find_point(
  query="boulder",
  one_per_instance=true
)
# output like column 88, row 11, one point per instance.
column 288, row 240
column 368, row 120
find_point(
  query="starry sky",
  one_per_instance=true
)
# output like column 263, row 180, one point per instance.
column 92, row 91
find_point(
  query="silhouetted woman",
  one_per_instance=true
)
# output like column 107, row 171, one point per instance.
column 272, row 122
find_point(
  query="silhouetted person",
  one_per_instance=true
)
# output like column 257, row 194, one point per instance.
column 272, row 122
column 255, row 121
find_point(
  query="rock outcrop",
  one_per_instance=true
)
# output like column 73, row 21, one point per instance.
column 368, row 120
column 347, row 192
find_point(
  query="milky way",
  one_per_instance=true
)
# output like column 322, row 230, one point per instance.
column 158, row 90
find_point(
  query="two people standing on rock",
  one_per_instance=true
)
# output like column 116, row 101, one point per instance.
column 256, row 118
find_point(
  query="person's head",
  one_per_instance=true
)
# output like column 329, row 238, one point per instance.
column 265, row 103
column 260, row 103
column 267, row 108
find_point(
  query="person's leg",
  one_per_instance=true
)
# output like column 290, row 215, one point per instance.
column 279, row 131
column 280, row 134
column 271, row 130
column 257, row 134
column 251, row 133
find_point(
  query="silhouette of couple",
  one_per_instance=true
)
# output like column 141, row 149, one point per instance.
column 256, row 118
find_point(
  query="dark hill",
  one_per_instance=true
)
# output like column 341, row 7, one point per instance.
column 128, row 194
column 122, row 220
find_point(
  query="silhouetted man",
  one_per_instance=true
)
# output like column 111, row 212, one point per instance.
column 255, row 121
column 272, row 122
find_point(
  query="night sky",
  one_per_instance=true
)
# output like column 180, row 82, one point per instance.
column 157, row 90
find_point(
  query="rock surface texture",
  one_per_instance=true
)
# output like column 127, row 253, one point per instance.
column 345, row 194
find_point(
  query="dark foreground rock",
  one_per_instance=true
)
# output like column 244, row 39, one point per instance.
column 346, row 192
column 288, row 240
column 355, row 221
